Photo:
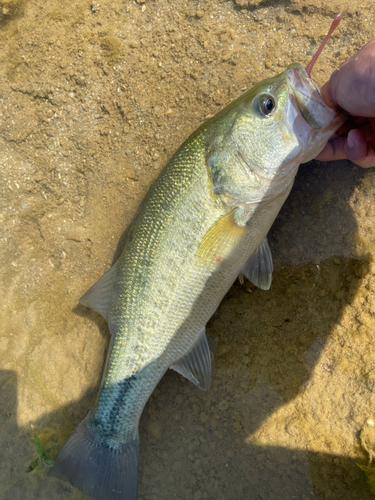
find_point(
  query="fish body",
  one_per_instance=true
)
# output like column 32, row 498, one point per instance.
column 204, row 220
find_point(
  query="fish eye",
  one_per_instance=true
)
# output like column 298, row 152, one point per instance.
column 266, row 104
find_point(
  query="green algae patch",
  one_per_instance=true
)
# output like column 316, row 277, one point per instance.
column 43, row 453
column 370, row 475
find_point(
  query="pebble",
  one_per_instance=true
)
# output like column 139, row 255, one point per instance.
column 39, row 176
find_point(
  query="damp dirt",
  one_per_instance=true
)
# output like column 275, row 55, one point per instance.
column 95, row 96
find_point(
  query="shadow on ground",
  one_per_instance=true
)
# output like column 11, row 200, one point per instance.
column 198, row 445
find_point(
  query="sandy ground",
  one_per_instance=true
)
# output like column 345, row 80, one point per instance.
column 95, row 96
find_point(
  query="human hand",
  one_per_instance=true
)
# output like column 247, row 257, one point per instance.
column 351, row 89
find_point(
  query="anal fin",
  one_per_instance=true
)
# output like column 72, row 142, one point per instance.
column 196, row 364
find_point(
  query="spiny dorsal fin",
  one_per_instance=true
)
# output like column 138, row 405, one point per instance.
column 196, row 364
column 99, row 295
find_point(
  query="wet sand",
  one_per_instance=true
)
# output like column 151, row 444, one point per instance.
column 94, row 99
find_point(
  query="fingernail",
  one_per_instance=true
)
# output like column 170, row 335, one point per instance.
column 350, row 143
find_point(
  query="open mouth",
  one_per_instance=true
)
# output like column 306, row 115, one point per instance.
column 308, row 97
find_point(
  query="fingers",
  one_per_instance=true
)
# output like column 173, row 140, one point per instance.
column 368, row 162
column 351, row 87
column 334, row 150
column 359, row 150
column 355, row 147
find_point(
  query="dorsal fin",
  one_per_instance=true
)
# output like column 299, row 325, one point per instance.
column 99, row 295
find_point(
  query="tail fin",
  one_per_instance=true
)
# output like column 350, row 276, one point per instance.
column 103, row 473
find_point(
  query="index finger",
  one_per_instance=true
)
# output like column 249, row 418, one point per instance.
column 352, row 86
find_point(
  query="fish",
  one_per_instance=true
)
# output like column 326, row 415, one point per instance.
column 203, row 222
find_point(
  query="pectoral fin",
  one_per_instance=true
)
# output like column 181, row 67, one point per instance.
column 258, row 269
column 99, row 295
column 196, row 364
column 220, row 239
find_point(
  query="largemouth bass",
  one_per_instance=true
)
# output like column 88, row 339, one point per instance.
column 204, row 221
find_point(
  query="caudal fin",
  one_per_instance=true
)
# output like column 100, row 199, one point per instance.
column 103, row 473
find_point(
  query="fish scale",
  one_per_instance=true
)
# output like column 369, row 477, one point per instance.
column 204, row 221
column 143, row 273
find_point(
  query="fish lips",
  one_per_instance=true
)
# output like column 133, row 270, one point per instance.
column 309, row 100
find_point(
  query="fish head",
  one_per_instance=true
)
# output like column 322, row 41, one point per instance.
column 263, row 136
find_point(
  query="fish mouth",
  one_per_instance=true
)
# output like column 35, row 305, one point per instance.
column 312, row 121
column 308, row 97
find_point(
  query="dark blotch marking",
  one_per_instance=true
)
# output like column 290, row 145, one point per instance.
column 109, row 431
